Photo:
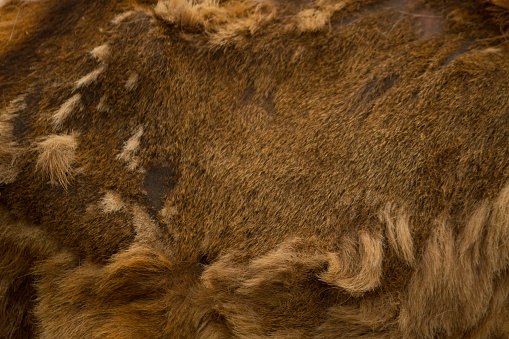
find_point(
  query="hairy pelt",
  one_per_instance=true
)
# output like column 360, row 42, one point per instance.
column 254, row 169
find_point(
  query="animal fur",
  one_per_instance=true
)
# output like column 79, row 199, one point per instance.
column 56, row 157
column 254, row 169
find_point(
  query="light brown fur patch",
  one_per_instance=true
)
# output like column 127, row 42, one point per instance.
column 102, row 53
column 132, row 82
column 356, row 270
column 128, row 153
column 72, row 104
column 111, row 202
column 90, row 78
column 398, row 232
column 57, row 154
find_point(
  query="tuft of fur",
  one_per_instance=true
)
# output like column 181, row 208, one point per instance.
column 315, row 19
column 225, row 22
column 101, row 53
column 452, row 288
column 398, row 232
column 119, row 18
column 132, row 82
column 111, row 202
column 102, row 106
column 57, row 155
column 90, row 78
column 130, row 149
column 356, row 271
column 71, row 105
column 138, row 286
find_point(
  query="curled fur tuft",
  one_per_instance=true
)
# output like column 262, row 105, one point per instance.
column 356, row 270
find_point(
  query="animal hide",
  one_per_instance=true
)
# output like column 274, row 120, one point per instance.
column 254, row 169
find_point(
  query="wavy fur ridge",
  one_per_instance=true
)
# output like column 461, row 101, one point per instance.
column 271, row 295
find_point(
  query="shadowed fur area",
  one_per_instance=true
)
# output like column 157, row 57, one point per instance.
column 254, row 169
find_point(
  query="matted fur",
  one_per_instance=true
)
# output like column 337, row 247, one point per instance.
column 254, row 169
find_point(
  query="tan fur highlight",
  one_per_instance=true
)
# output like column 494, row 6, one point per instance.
column 398, row 232
column 71, row 105
column 313, row 20
column 102, row 52
column 360, row 274
column 188, row 14
column 90, row 78
column 128, row 153
column 147, row 232
column 132, row 82
column 228, row 21
column 102, row 106
column 121, row 17
column 111, row 202
column 57, row 154
column 456, row 274
column 168, row 211
column 144, row 225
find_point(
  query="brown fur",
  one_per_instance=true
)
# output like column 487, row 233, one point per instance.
column 254, row 169
column 21, row 247
column 8, row 145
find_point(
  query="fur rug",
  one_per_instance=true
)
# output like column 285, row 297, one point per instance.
column 254, row 169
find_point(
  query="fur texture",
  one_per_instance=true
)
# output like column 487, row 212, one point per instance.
column 8, row 145
column 72, row 104
column 56, row 157
column 254, row 169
